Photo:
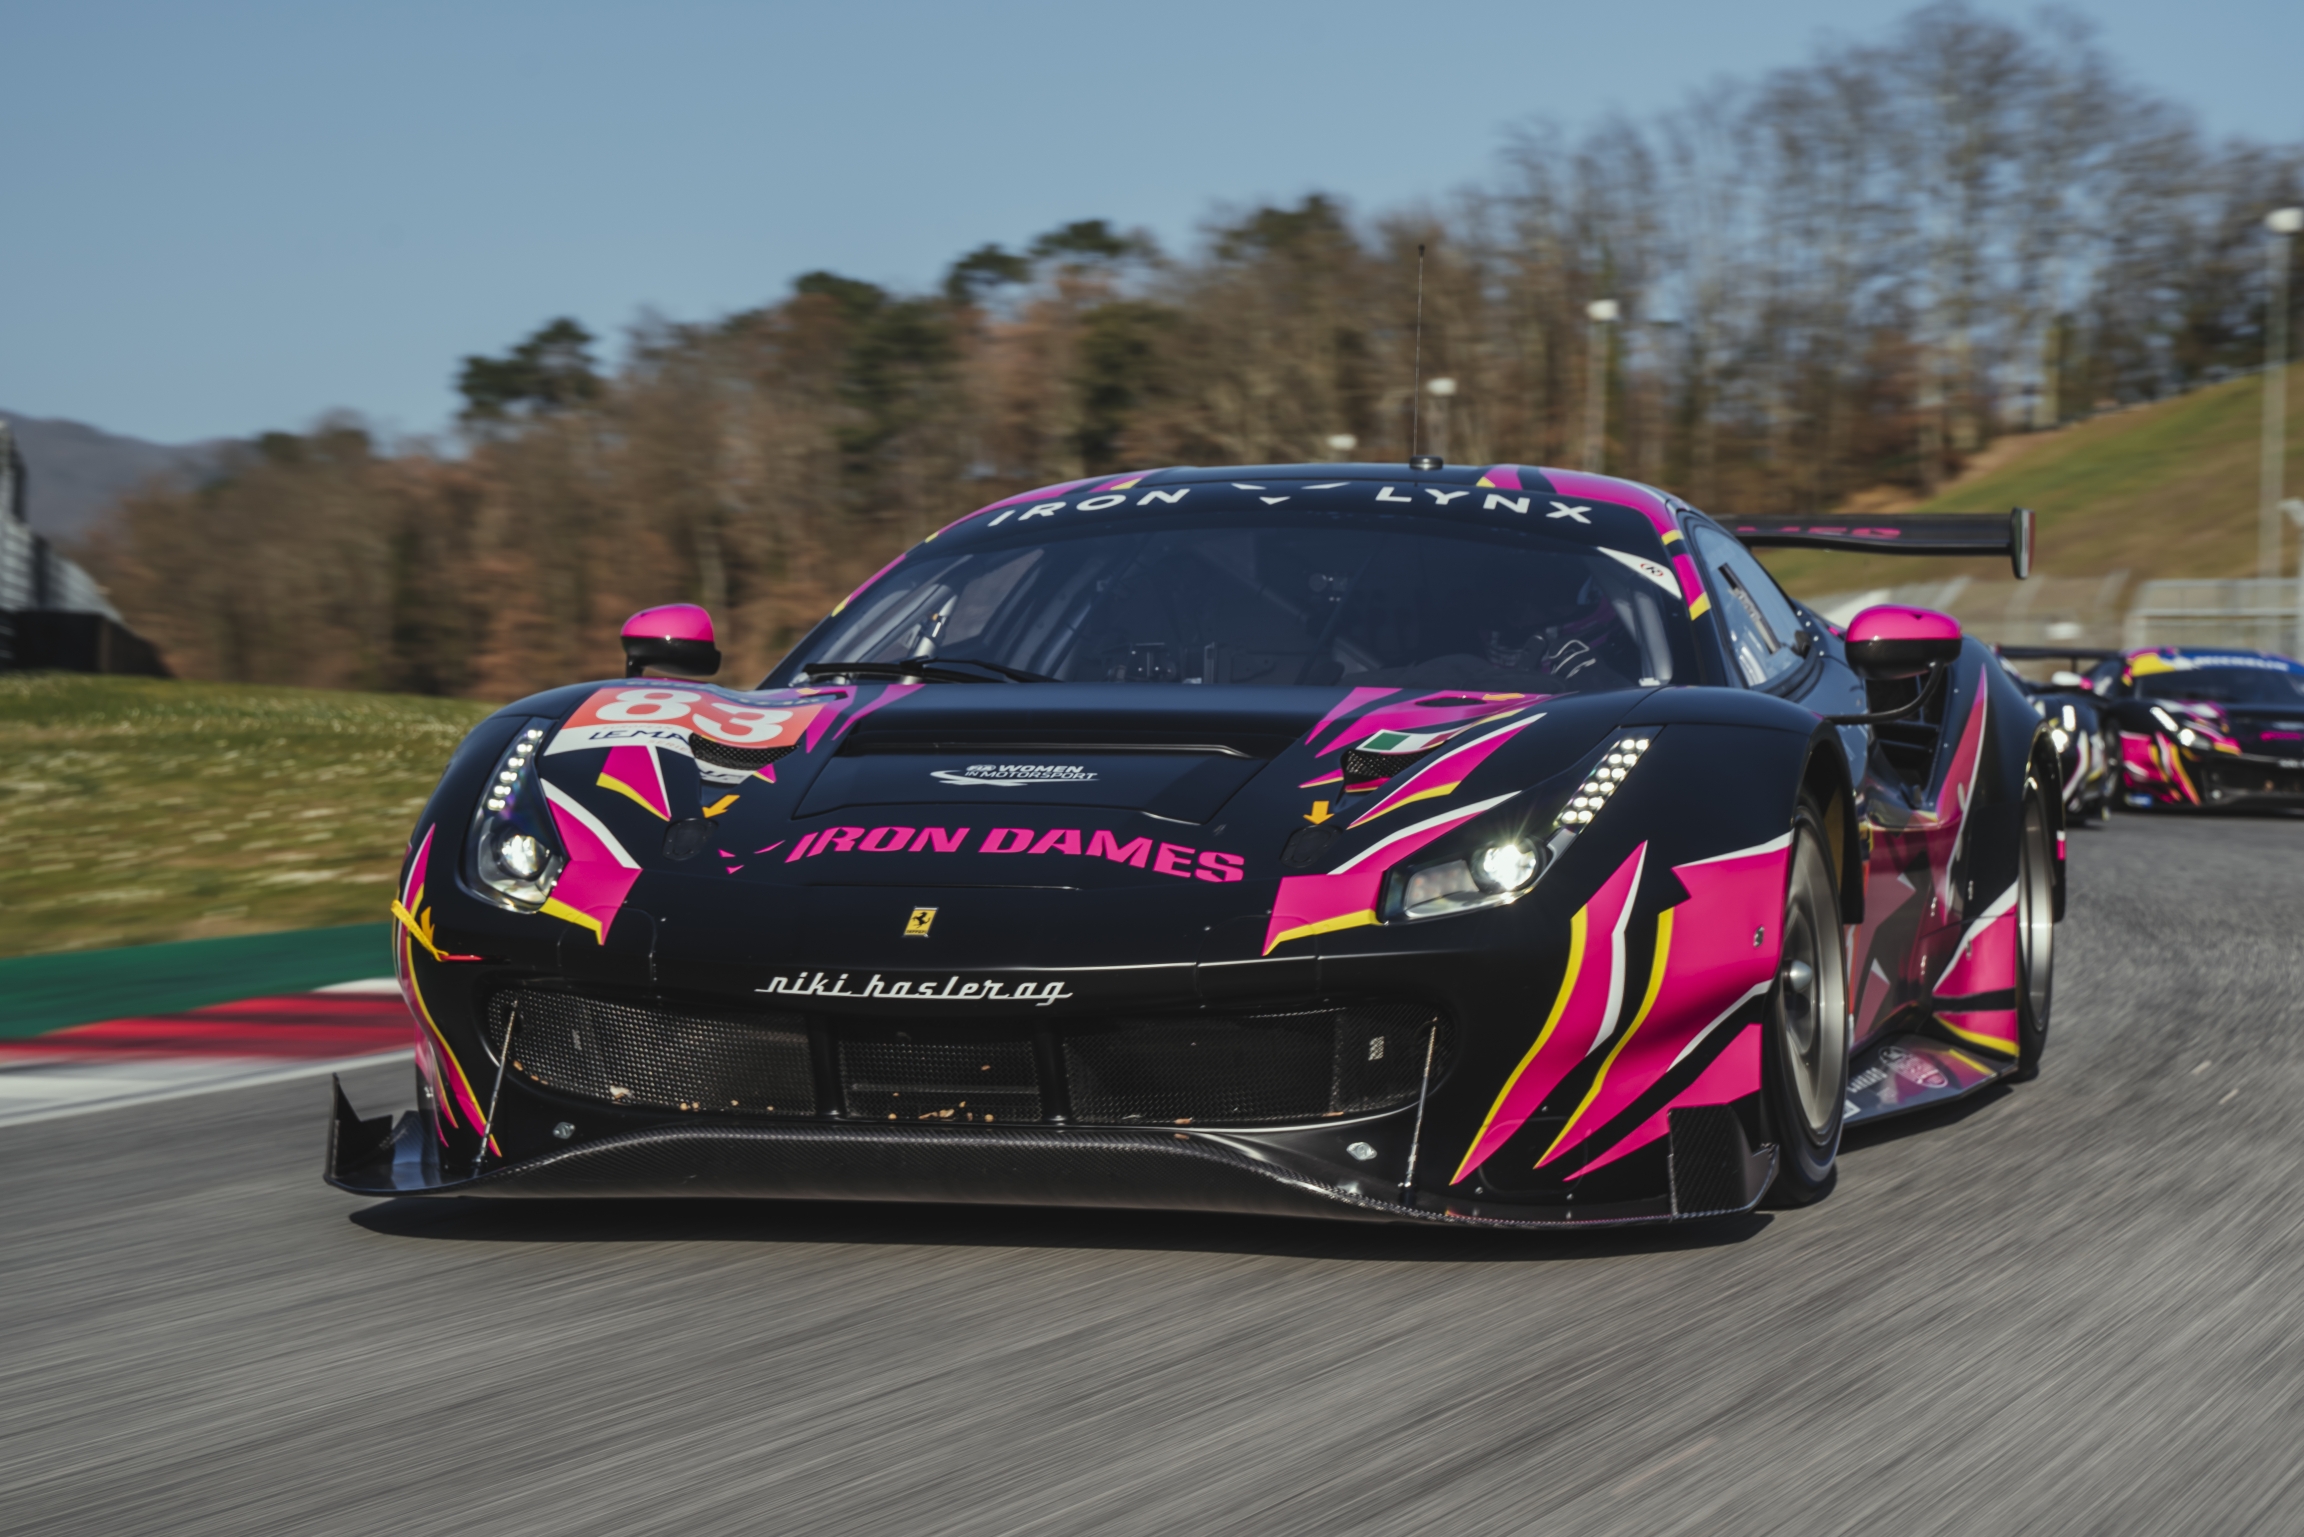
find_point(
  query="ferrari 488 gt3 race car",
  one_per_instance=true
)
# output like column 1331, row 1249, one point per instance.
column 2207, row 728
column 1486, row 845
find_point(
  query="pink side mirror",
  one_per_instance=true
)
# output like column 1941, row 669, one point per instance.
column 674, row 636
column 1889, row 640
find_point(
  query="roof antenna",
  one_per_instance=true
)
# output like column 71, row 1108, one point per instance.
column 1417, row 458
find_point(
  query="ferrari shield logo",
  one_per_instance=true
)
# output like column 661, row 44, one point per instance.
column 916, row 926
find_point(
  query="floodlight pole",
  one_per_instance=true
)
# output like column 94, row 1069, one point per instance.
column 1600, row 313
column 2294, row 508
column 2283, row 223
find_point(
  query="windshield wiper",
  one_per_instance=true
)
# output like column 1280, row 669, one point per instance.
column 937, row 669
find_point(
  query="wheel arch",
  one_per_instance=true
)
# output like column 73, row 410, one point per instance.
column 2046, row 764
column 1824, row 777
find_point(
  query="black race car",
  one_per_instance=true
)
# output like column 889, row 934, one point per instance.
column 2210, row 728
column 2087, row 742
column 1490, row 845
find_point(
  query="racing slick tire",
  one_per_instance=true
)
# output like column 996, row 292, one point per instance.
column 1804, row 1067
column 2035, row 930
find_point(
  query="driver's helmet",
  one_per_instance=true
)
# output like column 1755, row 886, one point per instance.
column 1548, row 625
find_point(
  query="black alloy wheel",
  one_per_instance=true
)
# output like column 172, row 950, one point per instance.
column 2035, row 930
column 1804, row 1072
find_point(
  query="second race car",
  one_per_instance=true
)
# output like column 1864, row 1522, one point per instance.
column 2206, row 727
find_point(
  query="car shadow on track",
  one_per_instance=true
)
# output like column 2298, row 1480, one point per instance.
column 460, row 1220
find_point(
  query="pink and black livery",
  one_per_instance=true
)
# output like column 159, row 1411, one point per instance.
column 2208, row 728
column 1487, row 845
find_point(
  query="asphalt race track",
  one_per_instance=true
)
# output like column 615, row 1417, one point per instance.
column 2077, row 1306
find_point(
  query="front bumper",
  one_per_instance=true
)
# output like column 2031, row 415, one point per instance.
column 2179, row 776
column 2235, row 779
column 1714, row 1171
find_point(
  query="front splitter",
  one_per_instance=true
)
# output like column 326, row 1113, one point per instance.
column 1070, row 1166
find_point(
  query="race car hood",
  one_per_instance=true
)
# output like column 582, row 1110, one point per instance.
column 804, row 831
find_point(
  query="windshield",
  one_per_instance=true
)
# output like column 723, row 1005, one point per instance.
column 1337, row 600
column 2224, row 685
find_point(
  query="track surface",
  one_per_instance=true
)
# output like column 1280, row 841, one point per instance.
column 2077, row 1306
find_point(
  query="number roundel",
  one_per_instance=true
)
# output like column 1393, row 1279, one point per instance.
column 743, row 724
column 647, row 704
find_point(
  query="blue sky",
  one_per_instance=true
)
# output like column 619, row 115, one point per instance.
column 224, row 218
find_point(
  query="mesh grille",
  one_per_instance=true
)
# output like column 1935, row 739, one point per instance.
column 1251, row 1069
column 1213, row 1070
column 1361, row 767
column 721, row 755
column 903, row 1079
column 659, row 1059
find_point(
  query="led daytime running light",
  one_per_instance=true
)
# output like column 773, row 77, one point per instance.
column 1601, row 783
column 508, row 774
column 513, row 853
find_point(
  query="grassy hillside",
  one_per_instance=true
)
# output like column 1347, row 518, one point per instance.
column 2162, row 490
column 135, row 810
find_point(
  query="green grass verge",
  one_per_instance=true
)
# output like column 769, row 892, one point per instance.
column 140, row 810
column 2168, row 489
column 48, row 992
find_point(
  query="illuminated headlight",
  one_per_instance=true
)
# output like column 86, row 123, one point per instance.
column 2071, row 719
column 2188, row 736
column 2060, row 737
column 522, row 856
column 1504, row 867
column 1494, row 875
column 515, row 855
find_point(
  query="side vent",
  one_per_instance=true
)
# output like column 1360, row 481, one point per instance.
column 1372, row 767
column 743, row 759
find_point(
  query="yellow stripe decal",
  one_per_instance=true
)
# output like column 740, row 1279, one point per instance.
column 621, row 788
column 1407, row 800
column 1697, row 609
column 416, row 990
column 1989, row 1043
column 2176, row 762
column 1576, row 928
column 1324, row 926
column 1647, row 1002
column 555, row 908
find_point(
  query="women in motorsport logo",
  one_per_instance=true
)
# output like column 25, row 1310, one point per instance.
column 1014, row 776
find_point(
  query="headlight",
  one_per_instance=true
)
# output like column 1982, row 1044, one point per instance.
column 1504, row 868
column 2071, row 719
column 1493, row 875
column 515, row 850
column 2060, row 737
column 2187, row 736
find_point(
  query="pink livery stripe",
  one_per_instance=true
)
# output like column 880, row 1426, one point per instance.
column 1733, row 1075
column 599, row 873
column 1591, row 992
column 1706, row 974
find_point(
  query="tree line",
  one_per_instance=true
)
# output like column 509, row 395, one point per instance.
column 1850, row 273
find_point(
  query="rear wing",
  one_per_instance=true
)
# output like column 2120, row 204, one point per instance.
column 1911, row 533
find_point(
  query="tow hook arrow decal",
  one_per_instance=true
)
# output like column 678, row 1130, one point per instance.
column 1319, row 813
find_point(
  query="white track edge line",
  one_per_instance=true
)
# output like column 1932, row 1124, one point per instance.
column 188, row 1091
